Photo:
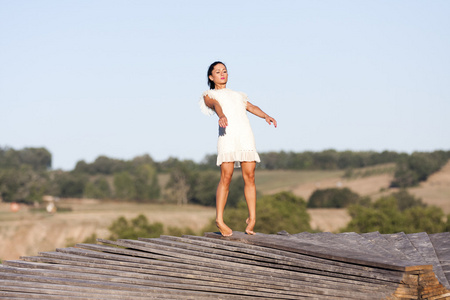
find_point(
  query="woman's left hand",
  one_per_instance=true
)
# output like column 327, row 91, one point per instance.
column 271, row 120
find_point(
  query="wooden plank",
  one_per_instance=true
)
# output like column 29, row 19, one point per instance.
column 255, row 250
column 211, row 254
column 441, row 244
column 423, row 244
column 311, row 280
column 7, row 295
column 99, row 277
column 254, row 280
column 275, row 260
column 379, row 240
column 187, row 268
column 219, row 263
column 402, row 243
column 39, row 278
column 298, row 295
column 279, row 254
column 243, row 272
column 5, row 285
column 172, row 277
column 351, row 249
column 65, row 290
column 440, row 240
column 383, row 249
column 313, row 249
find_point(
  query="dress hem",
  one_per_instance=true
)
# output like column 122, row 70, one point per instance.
column 238, row 157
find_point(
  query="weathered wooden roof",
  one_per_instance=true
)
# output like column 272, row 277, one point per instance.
column 283, row 266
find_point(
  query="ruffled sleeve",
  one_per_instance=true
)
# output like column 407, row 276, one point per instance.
column 205, row 109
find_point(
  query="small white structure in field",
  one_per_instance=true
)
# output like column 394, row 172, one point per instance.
column 51, row 206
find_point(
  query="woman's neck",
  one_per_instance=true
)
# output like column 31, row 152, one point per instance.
column 220, row 86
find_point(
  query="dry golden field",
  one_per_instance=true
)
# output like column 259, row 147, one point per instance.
column 26, row 232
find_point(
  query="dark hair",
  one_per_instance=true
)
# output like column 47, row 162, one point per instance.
column 210, row 69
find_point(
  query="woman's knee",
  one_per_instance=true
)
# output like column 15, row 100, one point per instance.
column 249, row 179
column 226, row 174
column 249, row 175
column 225, row 178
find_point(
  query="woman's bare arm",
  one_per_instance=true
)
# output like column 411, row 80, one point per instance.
column 214, row 104
column 258, row 112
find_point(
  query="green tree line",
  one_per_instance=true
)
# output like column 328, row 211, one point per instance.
column 26, row 174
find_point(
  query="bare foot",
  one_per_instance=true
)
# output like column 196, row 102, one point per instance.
column 250, row 226
column 224, row 229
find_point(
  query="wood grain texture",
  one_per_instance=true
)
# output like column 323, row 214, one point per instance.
column 298, row 266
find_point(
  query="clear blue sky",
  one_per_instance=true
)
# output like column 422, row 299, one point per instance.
column 123, row 78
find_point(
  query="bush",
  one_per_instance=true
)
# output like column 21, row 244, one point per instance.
column 177, row 231
column 395, row 213
column 405, row 200
column 137, row 227
column 333, row 198
column 274, row 213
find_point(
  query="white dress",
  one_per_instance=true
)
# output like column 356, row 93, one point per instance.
column 236, row 142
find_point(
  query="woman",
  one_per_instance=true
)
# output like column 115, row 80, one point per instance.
column 236, row 144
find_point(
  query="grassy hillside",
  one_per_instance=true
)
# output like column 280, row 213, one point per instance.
column 368, row 181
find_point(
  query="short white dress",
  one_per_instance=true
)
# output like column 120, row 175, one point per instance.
column 236, row 142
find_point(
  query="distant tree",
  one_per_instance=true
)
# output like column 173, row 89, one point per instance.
column 124, row 187
column 142, row 160
column 209, row 162
column 325, row 160
column 70, row 184
column 98, row 189
column 404, row 176
column 179, row 188
column 204, row 189
column 146, row 182
column 23, row 184
column 37, row 158
column 82, row 167
column 333, row 198
column 106, row 165
column 417, row 167
column 236, row 191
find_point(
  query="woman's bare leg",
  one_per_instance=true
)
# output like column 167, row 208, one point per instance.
column 226, row 173
column 248, row 173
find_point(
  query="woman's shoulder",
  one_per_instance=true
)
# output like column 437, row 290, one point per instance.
column 215, row 94
column 209, row 93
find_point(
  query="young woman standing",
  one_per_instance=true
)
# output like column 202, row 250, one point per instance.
column 236, row 144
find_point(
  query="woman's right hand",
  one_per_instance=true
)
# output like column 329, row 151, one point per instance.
column 223, row 121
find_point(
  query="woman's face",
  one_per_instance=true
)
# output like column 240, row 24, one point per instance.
column 219, row 75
